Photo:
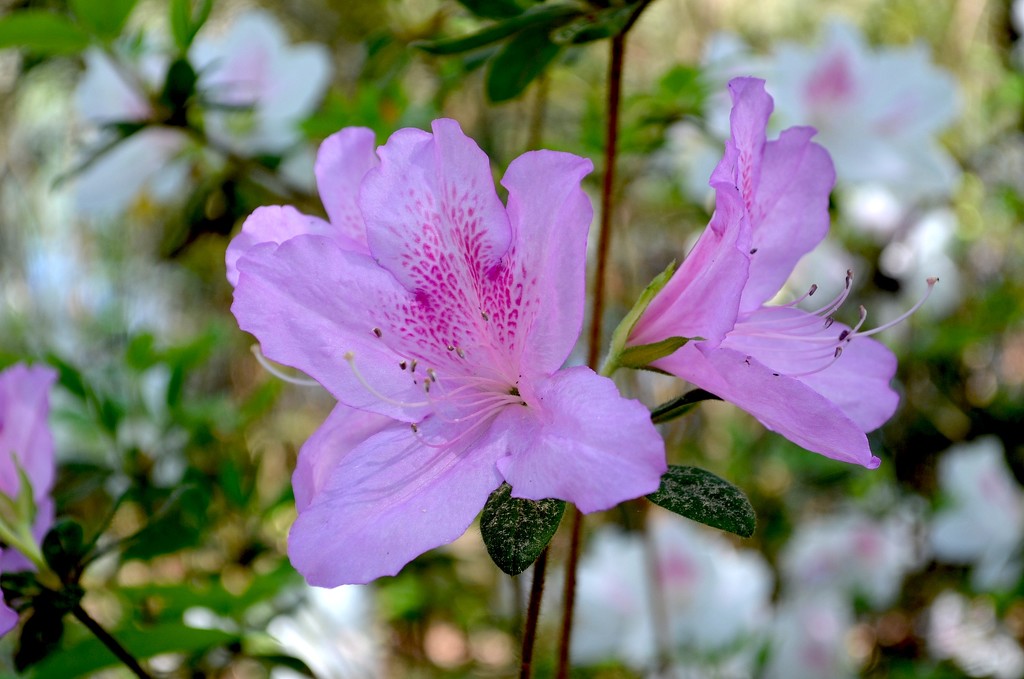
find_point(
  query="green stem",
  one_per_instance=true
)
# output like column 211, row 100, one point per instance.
column 110, row 642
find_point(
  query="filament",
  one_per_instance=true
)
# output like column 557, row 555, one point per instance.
column 276, row 372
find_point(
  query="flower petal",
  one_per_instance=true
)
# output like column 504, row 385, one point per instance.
column 8, row 618
column 582, row 442
column 311, row 303
column 343, row 160
column 782, row 404
column 389, row 499
column 24, row 429
column 550, row 217
column 271, row 224
column 800, row 344
column 343, row 430
column 789, row 212
column 702, row 298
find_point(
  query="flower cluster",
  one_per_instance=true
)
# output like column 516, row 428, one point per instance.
column 440, row 319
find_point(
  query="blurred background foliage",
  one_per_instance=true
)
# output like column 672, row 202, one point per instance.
column 176, row 447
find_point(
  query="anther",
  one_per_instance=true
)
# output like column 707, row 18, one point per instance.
column 414, row 427
column 829, row 321
column 753, row 251
column 814, row 289
column 378, row 333
column 843, row 335
column 451, row 347
column 403, row 365
column 432, row 375
column 460, row 352
column 483, row 315
column 849, row 278
column 412, row 366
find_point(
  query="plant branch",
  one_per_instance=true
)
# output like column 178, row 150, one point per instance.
column 110, row 642
column 533, row 615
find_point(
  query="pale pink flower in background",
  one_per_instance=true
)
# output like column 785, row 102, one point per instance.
column 818, row 382
column 878, row 110
column 440, row 319
column 697, row 571
column 256, row 88
column 851, row 554
column 808, row 639
column 970, row 634
column 26, row 443
column 983, row 522
column 273, row 84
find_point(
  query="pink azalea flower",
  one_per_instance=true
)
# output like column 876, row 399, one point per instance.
column 817, row 382
column 440, row 319
column 25, row 442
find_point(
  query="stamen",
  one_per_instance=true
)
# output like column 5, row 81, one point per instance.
column 902, row 317
column 814, row 289
column 351, row 358
column 403, row 365
column 835, row 357
column 483, row 315
column 378, row 333
column 301, row 381
column 460, row 352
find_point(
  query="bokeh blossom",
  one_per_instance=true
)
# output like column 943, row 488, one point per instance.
column 808, row 638
column 440, row 319
column 697, row 571
column 878, row 111
column 816, row 381
column 26, row 443
column 255, row 89
column 983, row 521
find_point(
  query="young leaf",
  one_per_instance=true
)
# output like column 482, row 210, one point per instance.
column 104, row 17
column 493, row 9
column 516, row 531
column 642, row 356
column 681, row 405
column 42, row 32
column 64, row 547
column 519, row 62
column 700, row 495
column 542, row 15
column 186, row 22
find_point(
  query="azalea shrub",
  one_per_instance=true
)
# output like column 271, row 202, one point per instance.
column 437, row 338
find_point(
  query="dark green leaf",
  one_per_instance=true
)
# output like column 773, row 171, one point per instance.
column 547, row 16
column 493, row 9
column 178, row 524
column 90, row 655
column 105, row 17
column 596, row 25
column 42, row 32
column 179, row 87
column 700, row 495
column 677, row 407
column 64, row 547
column 39, row 636
column 520, row 61
column 516, row 531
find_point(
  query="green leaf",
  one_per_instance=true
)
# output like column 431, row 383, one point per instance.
column 39, row 637
column 544, row 15
column 493, row 9
column 89, row 655
column 642, row 356
column 516, row 531
column 186, row 21
column 105, row 17
column 64, row 547
column 625, row 327
column 42, row 32
column 597, row 25
column 706, row 498
column 681, row 405
column 518, row 63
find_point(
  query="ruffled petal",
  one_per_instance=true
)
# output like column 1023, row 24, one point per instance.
column 343, row 430
column 782, row 404
column 343, row 160
column 24, row 429
column 550, row 217
column 582, row 442
column 271, row 224
column 311, row 303
column 789, row 212
column 391, row 498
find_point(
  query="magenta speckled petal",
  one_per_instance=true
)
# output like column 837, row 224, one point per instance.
column 390, row 499
column 550, row 217
column 343, row 160
column 581, row 442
